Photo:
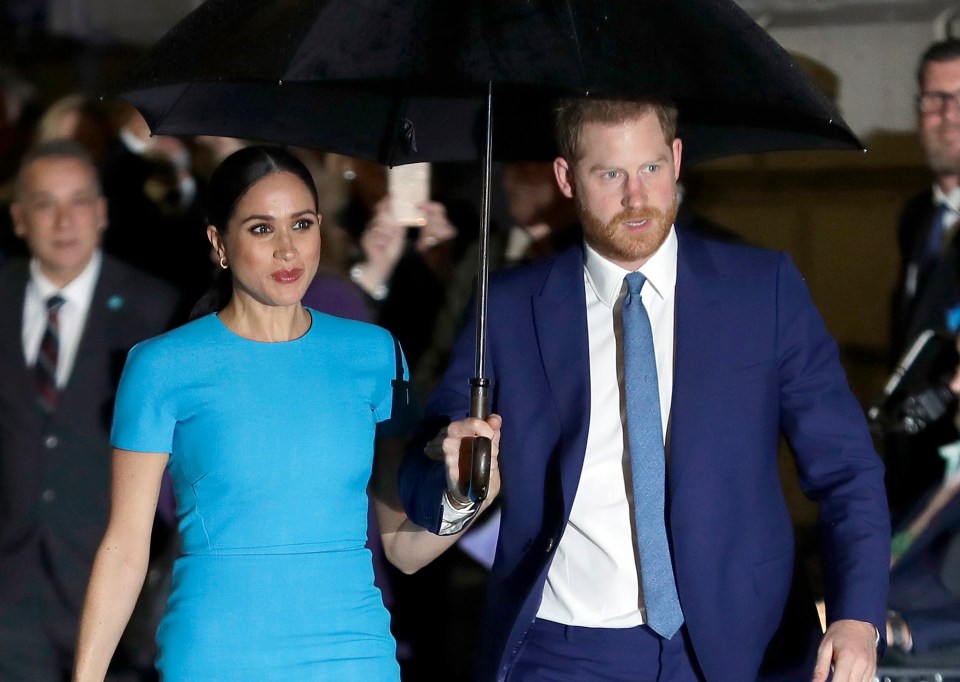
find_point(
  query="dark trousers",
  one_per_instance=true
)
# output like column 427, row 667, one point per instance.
column 564, row 653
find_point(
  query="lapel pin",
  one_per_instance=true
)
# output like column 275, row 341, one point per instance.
column 115, row 302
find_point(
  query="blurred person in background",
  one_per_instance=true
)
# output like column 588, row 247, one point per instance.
column 929, row 281
column 16, row 97
column 82, row 118
column 70, row 314
column 541, row 222
column 402, row 271
column 155, row 221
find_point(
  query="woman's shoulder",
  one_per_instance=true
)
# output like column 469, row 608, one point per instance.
column 179, row 341
column 326, row 325
column 359, row 344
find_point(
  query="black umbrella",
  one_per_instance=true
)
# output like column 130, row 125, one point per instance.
column 401, row 81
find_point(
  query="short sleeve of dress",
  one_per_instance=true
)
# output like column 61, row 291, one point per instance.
column 144, row 415
column 395, row 411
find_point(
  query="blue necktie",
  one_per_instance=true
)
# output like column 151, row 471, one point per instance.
column 647, row 464
column 937, row 229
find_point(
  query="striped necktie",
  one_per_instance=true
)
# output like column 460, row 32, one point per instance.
column 45, row 371
column 648, row 464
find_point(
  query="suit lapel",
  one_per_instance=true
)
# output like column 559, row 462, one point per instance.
column 560, row 320
column 698, row 311
column 100, row 331
column 14, row 289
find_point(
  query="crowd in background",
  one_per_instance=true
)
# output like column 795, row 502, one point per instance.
column 416, row 282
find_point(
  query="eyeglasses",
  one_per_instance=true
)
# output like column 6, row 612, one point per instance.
column 936, row 102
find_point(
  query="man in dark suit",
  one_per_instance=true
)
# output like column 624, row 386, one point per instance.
column 69, row 316
column 646, row 541
column 929, row 283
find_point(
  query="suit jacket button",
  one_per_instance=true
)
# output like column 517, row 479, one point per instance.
column 50, row 442
column 48, row 495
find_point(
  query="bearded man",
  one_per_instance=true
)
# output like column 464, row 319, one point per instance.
column 643, row 378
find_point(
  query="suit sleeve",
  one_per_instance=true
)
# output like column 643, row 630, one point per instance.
column 837, row 464
column 422, row 480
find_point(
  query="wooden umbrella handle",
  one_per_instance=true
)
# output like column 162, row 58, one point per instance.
column 481, row 449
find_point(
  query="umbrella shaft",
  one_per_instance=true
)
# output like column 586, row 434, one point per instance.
column 483, row 270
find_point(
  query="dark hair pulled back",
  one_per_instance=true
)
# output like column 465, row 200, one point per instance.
column 232, row 179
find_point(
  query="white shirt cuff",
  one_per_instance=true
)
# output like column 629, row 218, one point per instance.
column 455, row 519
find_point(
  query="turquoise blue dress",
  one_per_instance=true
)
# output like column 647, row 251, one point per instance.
column 271, row 449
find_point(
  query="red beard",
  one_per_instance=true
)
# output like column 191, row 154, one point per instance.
column 621, row 245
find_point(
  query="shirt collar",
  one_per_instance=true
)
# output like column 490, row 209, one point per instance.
column 79, row 290
column 951, row 199
column 606, row 278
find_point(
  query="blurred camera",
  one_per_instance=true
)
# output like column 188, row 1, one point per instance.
column 918, row 393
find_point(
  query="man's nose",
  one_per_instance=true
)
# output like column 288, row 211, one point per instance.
column 634, row 193
column 62, row 216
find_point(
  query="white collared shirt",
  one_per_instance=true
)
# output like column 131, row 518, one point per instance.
column 594, row 578
column 72, row 315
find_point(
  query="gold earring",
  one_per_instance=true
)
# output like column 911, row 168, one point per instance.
column 223, row 262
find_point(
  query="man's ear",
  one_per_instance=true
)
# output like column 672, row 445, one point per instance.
column 677, row 153
column 103, row 216
column 16, row 215
column 564, row 175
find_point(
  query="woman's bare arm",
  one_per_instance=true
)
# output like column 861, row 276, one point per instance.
column 120, row 566
column 408, row 546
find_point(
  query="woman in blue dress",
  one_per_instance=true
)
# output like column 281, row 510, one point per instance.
column 266, row 413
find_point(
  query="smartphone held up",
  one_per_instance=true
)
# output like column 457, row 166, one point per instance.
column 409, row 186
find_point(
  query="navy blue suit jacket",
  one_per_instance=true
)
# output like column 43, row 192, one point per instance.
column 752, row 360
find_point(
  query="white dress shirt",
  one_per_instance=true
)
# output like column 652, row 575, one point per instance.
column 72, row 315
column 594, row 578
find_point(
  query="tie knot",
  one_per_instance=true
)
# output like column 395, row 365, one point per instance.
column 635, row 282
column 54, row 303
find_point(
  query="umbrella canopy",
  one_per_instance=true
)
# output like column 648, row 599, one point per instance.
column 397, row 81
column 402, row 81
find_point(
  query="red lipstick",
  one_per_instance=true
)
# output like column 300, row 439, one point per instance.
column 287, row 276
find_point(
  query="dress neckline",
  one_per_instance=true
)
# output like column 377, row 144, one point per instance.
column 237, row 336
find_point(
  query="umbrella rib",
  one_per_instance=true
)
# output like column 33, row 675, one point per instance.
column 163, row 117
column 576, row 41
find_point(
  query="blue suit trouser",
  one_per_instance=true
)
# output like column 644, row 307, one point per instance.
column 552, row 652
